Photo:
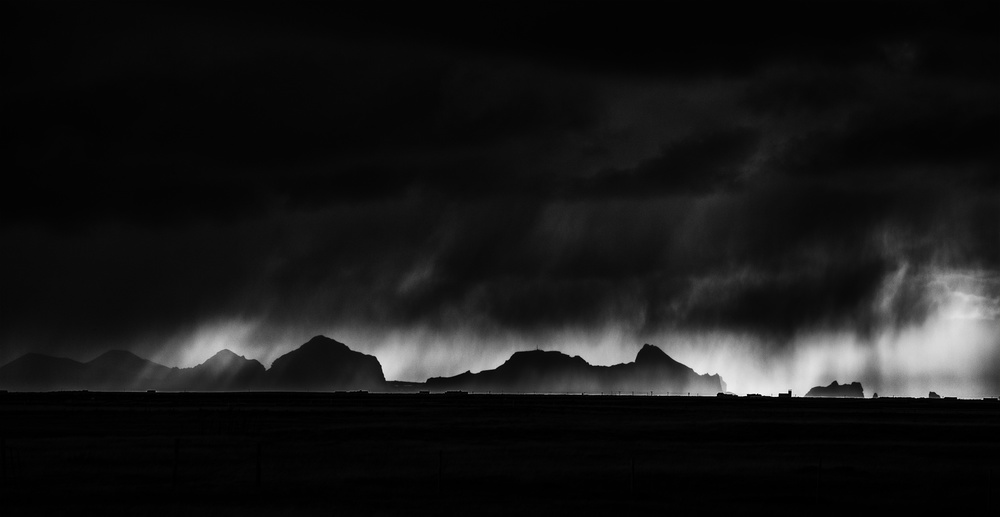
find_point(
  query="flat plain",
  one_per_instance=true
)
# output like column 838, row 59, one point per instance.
column 491, row 454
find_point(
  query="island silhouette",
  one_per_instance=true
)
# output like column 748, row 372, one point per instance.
column 852, row 390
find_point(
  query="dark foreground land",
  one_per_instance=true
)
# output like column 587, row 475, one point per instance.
column 347, row 454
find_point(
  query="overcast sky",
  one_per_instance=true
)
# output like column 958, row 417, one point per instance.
column 782, row 193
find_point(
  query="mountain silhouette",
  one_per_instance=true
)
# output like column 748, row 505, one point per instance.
column 122, row 370
column 660, row 372
column 852, row 390
column 224, row 371
column 112, row 371
column 39, row 372
column 323, row 364
column 554, row 372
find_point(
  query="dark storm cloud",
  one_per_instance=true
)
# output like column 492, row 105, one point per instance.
column 532, row 168
column 916, row 137
column 698, row 164
column 229, row 120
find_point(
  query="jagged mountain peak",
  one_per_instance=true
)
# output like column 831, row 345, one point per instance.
column 323, row 341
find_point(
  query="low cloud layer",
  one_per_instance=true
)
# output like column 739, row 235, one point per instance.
column 755, row 197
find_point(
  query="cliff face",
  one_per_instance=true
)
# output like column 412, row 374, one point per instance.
column 852, row 390
column 554, row 372
column 654, row 370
